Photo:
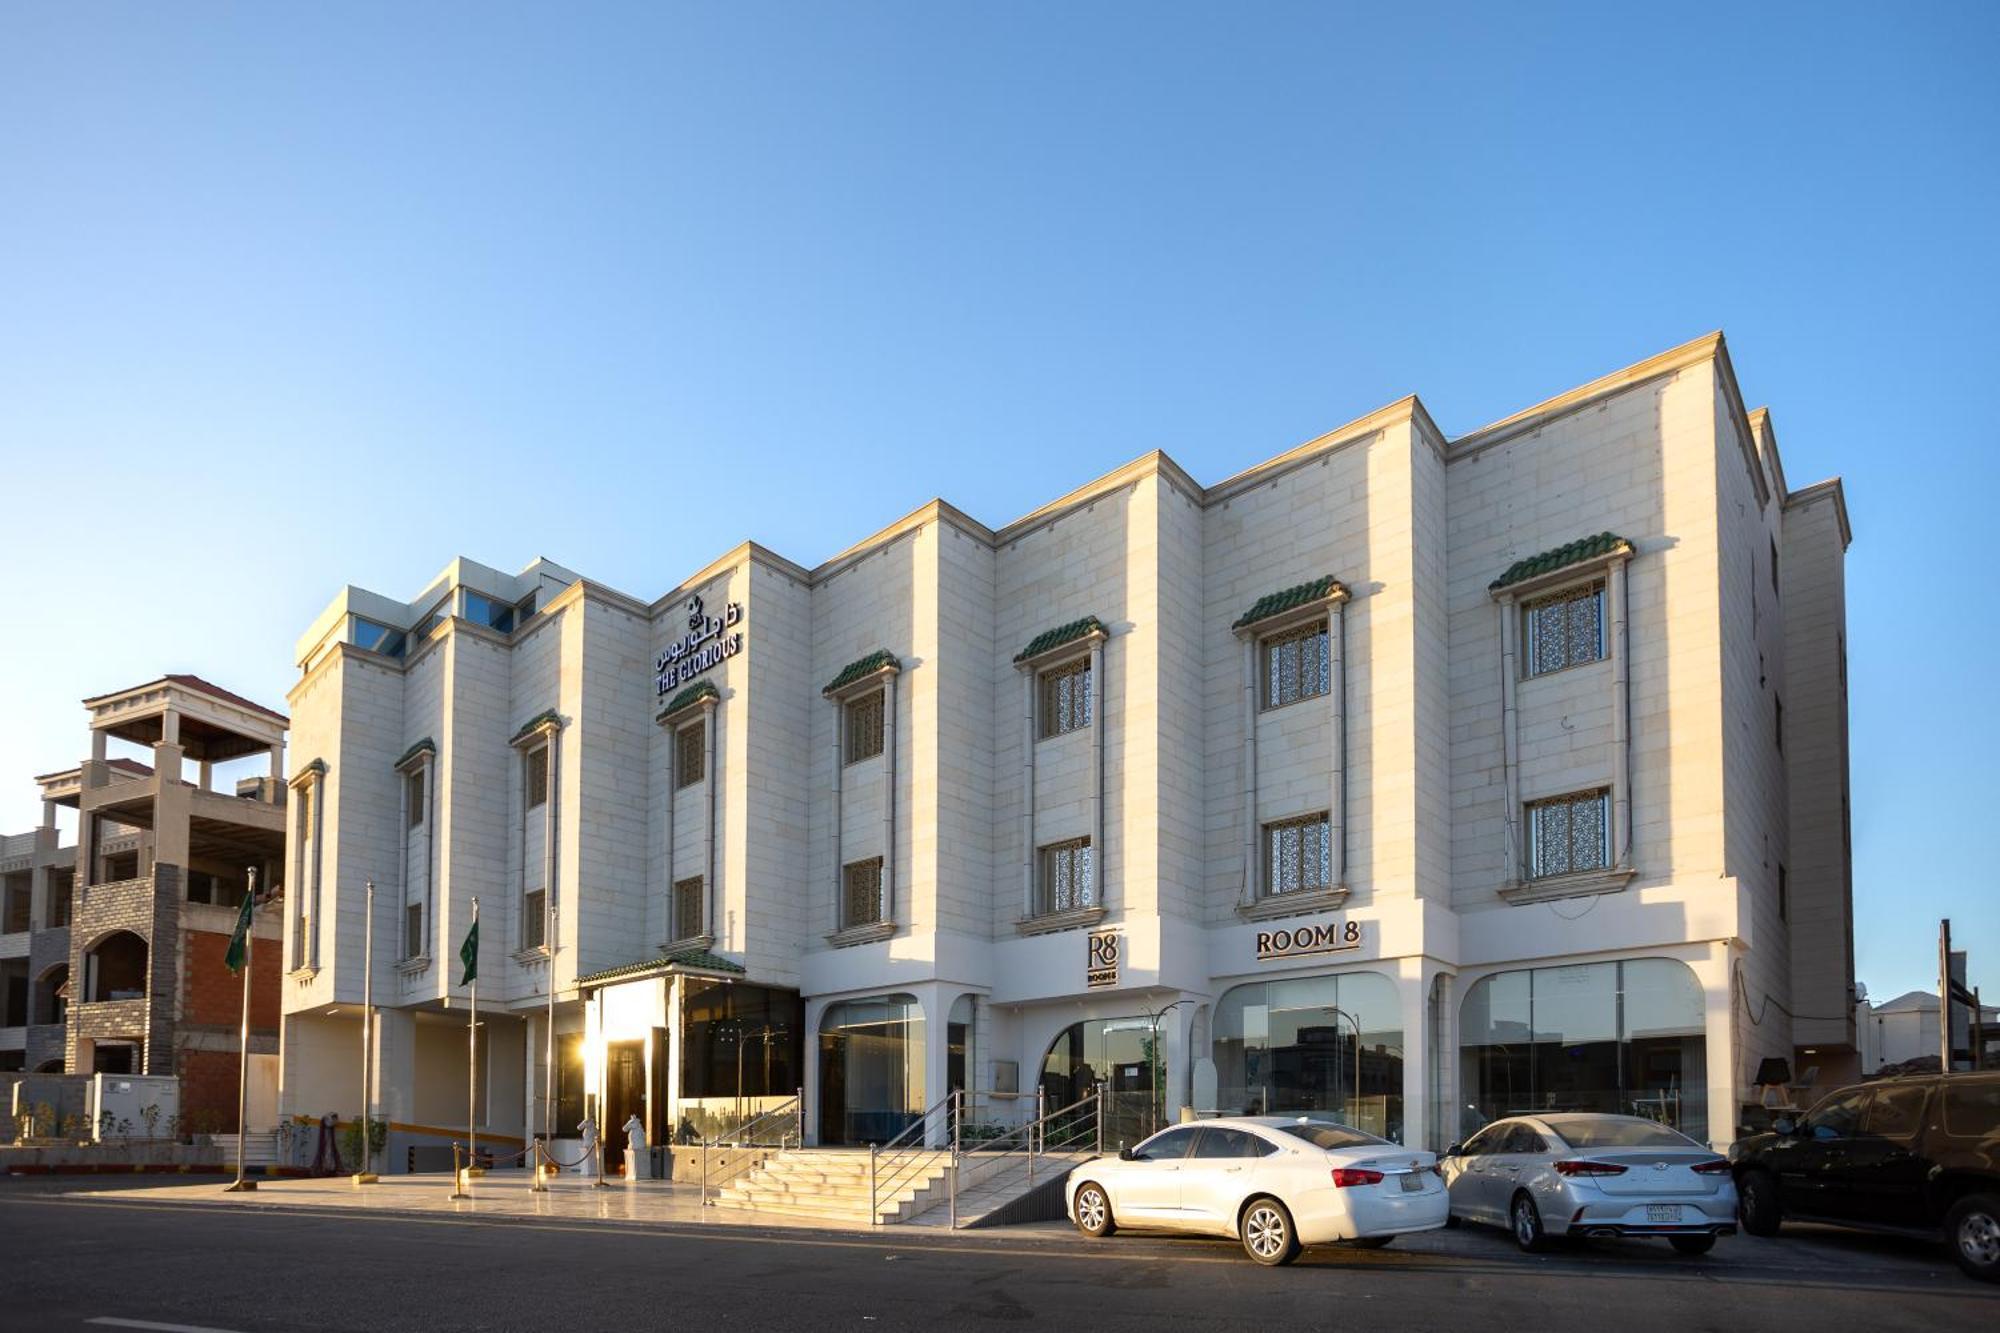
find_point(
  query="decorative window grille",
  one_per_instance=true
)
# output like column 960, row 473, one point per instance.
column 1298, row 855
column 533, row 919
column 1569, row 834
column 1565, row 630
column 864, row 727
column 1069, row 880
column 1066, row 703
column 1298, row 665
column 535, row 769
column 690, row 754
column 687, row 907
column 861, row 893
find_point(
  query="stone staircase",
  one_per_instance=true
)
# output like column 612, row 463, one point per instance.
column 831, row 1184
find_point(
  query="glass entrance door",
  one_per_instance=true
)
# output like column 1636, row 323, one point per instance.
column 1119, row 1054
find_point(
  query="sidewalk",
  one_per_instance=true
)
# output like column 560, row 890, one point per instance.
column 507, row 1196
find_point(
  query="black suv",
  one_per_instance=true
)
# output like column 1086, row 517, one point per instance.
column 1918, row 1156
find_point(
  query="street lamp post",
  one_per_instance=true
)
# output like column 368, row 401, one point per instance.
column 1153, row 1063
column 1355, row 1023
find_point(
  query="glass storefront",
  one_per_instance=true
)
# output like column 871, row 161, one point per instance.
column 1329, row 1043
column 1624, row 1037
column 1120, row 1054
column 871, row 1069
column 740, row 1053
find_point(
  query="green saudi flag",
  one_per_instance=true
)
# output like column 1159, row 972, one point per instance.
column 468, row 953
column 239, row 942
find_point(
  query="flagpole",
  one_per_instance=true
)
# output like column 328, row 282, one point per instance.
column 472, row 1063
column 243, row 1182
column 363, row 1175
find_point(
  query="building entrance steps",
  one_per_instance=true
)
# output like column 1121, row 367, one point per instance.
column 836, row 1184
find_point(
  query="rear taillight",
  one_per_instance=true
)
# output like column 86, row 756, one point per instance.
column 1347, row 1176
column 1590, row 1169
column 1718, row 1167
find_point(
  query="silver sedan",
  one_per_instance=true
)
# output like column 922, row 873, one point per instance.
column 1584, row 1174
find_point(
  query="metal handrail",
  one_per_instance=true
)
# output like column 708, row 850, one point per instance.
column 899, row 1154
column 744, row 1135
column 1082, row 1120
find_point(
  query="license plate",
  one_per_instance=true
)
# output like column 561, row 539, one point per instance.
column 1413, row 1182
column 1663, row 1212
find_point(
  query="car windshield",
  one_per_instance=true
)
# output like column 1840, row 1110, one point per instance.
column 1321, row 1134
column 1591, row 1132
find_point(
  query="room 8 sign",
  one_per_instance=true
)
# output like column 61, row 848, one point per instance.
column 1336, row 936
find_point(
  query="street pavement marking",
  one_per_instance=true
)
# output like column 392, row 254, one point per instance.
column 112, row 1321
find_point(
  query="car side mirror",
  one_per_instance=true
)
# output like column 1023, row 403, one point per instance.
column 1784, row 1124
column 1454, row 1150
column 1127, row 1155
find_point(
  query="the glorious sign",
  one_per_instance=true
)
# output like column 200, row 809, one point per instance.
column 1304, row 941
column 708, row 641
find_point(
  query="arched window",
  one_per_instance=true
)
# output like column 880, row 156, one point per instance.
column 52, row 995
column 871, row 1069
column 1624, row 1037
column 1123, row 1057
column 1326, row 1043
column 115, row 968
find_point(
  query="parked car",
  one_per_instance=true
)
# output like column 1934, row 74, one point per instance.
column 1915, row 1156
column 1275, row 1183
column 1586, row 1174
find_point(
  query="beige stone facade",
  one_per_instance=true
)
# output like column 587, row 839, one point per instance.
column 1415, row 778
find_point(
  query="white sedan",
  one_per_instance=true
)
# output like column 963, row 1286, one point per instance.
column 1277, row 1183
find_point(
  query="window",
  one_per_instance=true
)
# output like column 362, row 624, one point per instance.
column 62, row 885
column 1522, row 1138
column 1897, row 1112
column 1569, row 834
column 1580, row 1132
column 1778, row 722
column 1622, row 1038
column 534, row 918
column 1784, row 895
column 861, row 893
column 1838, row 1117
column 1298, row 855
column 1486, row 1140
column 1324, row 1134
column 535, row 772
column 1231, row 1143
column 1774, row 564
column 413, row 799
column 1289, row 1047
column 1170, row 1146
column 1971, row 1107
column 200, row 887
column 18, row 916
column 864, row 727
column 1298, row 665
column 377, row 637
column 690, row 754
column 1067, row 879
column 433, row 619
column 1066, row 698
column 1564, row 630
column 687, row 908
column 413, row 931
column 485, row 611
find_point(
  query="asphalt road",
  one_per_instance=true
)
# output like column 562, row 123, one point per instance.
column 77, row 1263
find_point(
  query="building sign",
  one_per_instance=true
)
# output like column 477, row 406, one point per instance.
column 1304, row 941
column 1100, row 967
column 709, row 639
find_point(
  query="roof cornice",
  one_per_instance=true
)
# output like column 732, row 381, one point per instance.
column 1821, row 490
column 1563, row 404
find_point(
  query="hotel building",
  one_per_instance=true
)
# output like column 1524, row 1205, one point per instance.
column 1411, row 778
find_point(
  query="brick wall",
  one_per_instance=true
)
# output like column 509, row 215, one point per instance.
column 212, row 995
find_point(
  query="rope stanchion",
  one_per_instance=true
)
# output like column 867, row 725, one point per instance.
column 461, row 1183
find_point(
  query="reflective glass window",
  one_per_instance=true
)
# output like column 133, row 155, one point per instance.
column 1330, row 1044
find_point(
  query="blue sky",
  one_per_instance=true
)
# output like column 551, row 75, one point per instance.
column 295, row 297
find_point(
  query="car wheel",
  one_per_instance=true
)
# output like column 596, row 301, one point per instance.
column 1093, row 1211
column 1973, row 1228
column 1370, row 1242
column 1757, row 1203
column 1267, row 1232
column 1692, row 1244
column 1527, row 1222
